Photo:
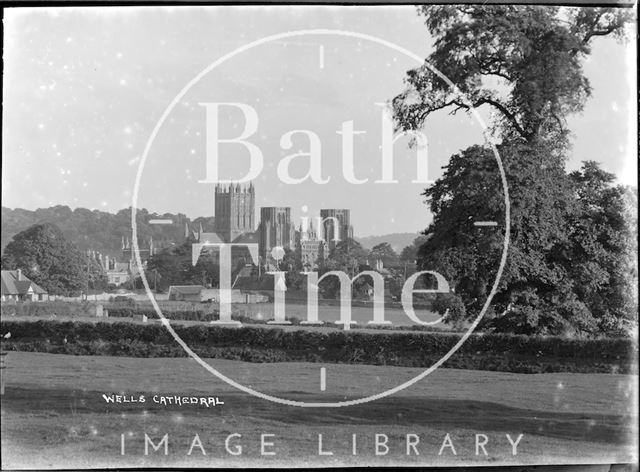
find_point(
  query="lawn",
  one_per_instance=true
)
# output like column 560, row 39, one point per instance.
column 54, row 415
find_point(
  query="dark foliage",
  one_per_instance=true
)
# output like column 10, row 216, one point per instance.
column 569, row 269
column 503, row 352
column 45, row 256
column 98, row 230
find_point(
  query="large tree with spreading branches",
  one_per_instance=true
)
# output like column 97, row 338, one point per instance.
column 525, row 63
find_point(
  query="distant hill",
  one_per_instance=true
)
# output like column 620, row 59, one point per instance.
column 101, row 231
column 398, row 241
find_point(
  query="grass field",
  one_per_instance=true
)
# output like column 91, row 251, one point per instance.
column 329, row 311
column 53, row 414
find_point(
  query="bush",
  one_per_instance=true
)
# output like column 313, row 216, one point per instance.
column 453, row 304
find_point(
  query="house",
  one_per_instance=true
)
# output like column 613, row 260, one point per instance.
column 118, row 273
column 186, row 293
column 17, row 287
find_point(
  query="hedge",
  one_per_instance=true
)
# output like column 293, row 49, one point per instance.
column 54, row 309
column 48, row 309
column 503, row 352
column 186, row 315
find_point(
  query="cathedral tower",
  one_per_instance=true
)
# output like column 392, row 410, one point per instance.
column 275, row 229
column 335, row 226
column 234, row 211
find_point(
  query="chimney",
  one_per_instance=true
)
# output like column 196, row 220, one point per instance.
column 19, row 274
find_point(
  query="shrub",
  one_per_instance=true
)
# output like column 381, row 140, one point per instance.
column 453, row 304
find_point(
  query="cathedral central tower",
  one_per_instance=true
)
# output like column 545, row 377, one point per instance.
column 234, row 211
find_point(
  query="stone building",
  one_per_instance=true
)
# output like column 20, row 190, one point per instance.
column 275, row 229
column 311, row 248
column 234, row 211
column 335, row 226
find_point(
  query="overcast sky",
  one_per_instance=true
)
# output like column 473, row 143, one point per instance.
column 84, row 88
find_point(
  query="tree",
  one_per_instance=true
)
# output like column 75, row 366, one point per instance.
column 98, row 230
column 45, row 256
column 97, row 277
column 533, row 52
column 525, row 62
column 469, row 256
column 385, row 253
column 173, row 266
column 409, row 254
column 291, row 264
column 348, row 256
column 601, row 252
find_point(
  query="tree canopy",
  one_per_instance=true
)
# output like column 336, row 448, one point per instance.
column 523, row 61
column 601, row 255
column 348, row 256
column 99, row 230
column 568, row 262
column 45, row 256
column 385, row 253
column 173, row 266
column 409, row 253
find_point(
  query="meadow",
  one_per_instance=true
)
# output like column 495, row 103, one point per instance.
column 54, row 415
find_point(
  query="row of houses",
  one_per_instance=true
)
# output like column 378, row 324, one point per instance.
column 245, row 289
column 17, row 287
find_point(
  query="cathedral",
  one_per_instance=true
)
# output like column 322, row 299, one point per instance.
column 234, row 211
column 235, row 222
column 275, row 229
column 234, row 219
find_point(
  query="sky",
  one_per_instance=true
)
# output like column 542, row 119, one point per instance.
column 84, row 89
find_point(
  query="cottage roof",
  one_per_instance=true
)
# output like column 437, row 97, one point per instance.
column 12, row 286
column 186, row 289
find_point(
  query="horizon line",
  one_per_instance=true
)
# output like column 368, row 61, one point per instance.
column 371, row 235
